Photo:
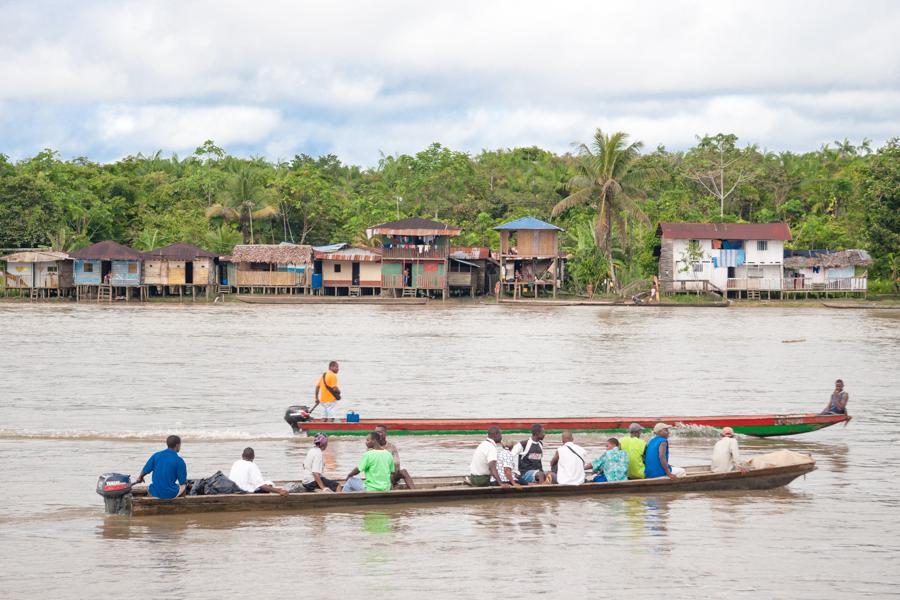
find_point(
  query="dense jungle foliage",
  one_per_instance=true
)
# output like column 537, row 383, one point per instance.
column 609, row 194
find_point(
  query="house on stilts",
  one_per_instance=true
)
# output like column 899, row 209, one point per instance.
column 180, row 269
column 108, row 270
column 530, row 261
column 39, row 273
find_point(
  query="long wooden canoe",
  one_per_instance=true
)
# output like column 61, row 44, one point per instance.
column 329, row 300
column 872, row 306
column 448, row 489
column 755, row 425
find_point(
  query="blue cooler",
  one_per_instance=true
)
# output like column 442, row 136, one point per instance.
column 352, row 417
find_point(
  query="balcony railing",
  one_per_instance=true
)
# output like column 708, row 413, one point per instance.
column 269, row 278
column 422, row 282
column 413, row 251
column 800, row 284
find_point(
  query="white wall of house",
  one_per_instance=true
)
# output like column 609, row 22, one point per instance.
column 760, row 263
column 773, row 254
column 370, row 272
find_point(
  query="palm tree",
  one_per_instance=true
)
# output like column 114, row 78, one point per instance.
column 245, row 199
column 608, row 180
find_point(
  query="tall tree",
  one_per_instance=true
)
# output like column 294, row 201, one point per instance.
column 718, row 167
column 245, row 199
column 609, row 180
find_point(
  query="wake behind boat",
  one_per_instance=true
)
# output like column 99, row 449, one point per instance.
column 755, row 425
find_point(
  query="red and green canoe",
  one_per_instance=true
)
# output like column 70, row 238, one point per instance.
column 755, row 425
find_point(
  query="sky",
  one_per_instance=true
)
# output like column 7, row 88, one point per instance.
column 107, row 79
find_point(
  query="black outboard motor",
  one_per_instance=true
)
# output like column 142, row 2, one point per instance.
column 115, row 489
column 297, row 414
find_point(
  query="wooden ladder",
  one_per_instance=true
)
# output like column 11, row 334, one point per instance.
column 753, row 294
column 354, row 291
column 35, row 293
column 409, row 292
column 104, row 293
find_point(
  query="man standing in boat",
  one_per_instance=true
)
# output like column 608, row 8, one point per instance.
column 328, row 392
column 837, row 404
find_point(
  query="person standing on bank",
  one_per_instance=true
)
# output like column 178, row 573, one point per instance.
column 837, row 405
column 656, row 458
column 328, row 392
column 169, row 471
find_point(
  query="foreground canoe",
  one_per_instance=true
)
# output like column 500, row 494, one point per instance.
column 755, row 425
column 447, row 489
column 329, row 300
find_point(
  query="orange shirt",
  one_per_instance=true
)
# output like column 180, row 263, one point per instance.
column 326, row 397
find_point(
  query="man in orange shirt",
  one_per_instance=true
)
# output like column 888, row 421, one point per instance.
column 327, row 391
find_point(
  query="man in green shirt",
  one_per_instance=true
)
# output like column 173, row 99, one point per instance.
column 376, row 464
column 634, row 447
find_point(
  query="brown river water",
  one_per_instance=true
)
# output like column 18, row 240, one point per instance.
column 88, row 389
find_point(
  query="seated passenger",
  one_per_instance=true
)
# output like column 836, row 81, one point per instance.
column 506, row 466
column 656, row 458
column 634, row 447
column 311, row 477
column 530, row 455
column 569, row 462
column 837, row 404
column 726, row 456
column 398, row 474
column 612, row 464
column 247, row 476
column 169, row 471
column 376, row 464
column 484, row 460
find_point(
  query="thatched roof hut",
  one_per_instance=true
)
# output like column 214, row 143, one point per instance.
column 801, row 259
column 279, row 254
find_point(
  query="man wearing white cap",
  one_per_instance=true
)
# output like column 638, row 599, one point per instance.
column 726, row 456
column 656, row 461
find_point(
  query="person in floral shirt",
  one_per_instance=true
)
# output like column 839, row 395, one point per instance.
column 612, row 464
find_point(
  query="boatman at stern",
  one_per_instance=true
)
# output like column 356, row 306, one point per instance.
column 169, row 471
column 327, row 391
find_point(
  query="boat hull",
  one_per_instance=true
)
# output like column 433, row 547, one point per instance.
column 754, row 425
column 454, row 490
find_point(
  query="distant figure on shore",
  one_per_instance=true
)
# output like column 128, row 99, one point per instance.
column 506, row 466
column 612, row 465
column 569, row 461
column 376, row 464
column 656, row 460
column 837, row 404
column 246, row 475
column 311, row 477
column 726, row 456
column 399, row 473
column 634, row 447
column 654, row 291
column 530, row 456
column 169, row 471
column 590, row 291
column 328, row 392
column 484, row 460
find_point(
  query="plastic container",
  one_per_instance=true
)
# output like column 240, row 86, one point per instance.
column 352, row 417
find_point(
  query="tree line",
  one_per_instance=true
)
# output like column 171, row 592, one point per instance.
column 608, row 193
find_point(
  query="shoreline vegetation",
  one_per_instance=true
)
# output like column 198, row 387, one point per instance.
column 608, row 194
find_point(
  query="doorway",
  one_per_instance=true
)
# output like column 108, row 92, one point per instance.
column 354, row 276
column 188, row 272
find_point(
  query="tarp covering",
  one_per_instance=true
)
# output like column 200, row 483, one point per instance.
column 779, row 458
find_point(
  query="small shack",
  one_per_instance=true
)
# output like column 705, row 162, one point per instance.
column 826, row 271
column 44, row 272
column 415, row 256
column 179, row 267
column 345, row 270
column 106, row 270
column 529, row 256
column 272, row 268
column 472, row 270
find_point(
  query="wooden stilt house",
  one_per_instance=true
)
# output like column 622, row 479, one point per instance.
column 43, row 273
column 272, row 268
column 108, row 270
column 415, row 256
column 180, row 268
column 344, row 270
column 472, row 270
column 529, row 257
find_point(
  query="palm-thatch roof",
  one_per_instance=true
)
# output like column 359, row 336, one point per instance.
column 35, row 256
column 282, row 254
column 799, row 259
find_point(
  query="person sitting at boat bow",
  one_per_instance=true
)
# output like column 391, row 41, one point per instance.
column 246, row 475
column 837, row 404
column 656, row 457
column 506, row 466
column 612, row 465
column 376, row 464
column 327, row 391
column 530, row 455
column 311, row 477
column 569, row 461
column 484, row 460
column 169, row 471
column 634, row 447
column 726, row 456
column 399, row 474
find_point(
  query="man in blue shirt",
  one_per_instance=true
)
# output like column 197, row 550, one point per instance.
column 169, row 471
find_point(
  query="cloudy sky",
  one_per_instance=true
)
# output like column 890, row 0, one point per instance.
column 105, row 79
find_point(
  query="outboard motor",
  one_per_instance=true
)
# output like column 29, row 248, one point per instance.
column 115, row 488
column 297, row 414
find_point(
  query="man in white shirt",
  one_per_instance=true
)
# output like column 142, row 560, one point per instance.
column 726, row 456
column 311, row 477
column 569, row 461
column 484, row 461
column 248, row 477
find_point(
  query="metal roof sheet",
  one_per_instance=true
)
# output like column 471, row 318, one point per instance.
column 470, row 252
column 414, row 226
column 527, row 223
column 107, row 250
column 724, row 231
column 798, row 259
column 35, row 256
column 179, row 251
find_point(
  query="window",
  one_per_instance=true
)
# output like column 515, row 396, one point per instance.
column 132, row 268
column 87, row 267
column 52, row 269
column 762, row 245
column 337, row 267
column 697, row 267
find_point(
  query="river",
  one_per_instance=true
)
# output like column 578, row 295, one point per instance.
column 88, row 389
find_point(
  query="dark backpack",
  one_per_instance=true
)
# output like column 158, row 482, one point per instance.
column 215, row 485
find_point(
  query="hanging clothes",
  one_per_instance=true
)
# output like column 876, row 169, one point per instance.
column 717, row 244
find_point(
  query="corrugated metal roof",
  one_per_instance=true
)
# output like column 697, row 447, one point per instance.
column 351, row 254
column 724, row 231
column 414, row 226
column 330, row 247
column 798, row 259
column 526, row 223
column 35, row 256
column 107, row 250
column 282, row 254
column 470, row 252
column 465, row 262
column 179, row 251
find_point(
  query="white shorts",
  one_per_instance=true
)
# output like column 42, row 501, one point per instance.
column 329, row 408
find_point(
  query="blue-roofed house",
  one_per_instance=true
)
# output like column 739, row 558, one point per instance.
column 529, row 257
